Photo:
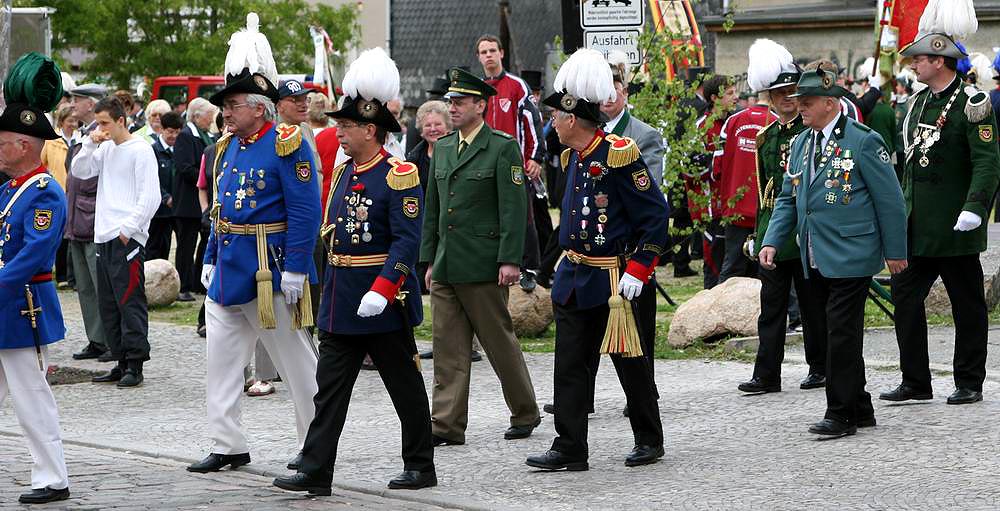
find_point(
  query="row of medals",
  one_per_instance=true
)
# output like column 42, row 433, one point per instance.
column 924, row 138
column 357, row 218
column 601, row 203
column 250, row 184
column 840, row 166
column 5, row 239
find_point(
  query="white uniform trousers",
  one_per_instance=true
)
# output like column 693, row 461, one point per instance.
column 36, row 411
column 232, row 333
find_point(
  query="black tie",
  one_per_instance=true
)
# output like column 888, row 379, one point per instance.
column 461, row 146
column 817, row 151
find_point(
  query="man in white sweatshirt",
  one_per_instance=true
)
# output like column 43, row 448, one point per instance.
column 128, row 194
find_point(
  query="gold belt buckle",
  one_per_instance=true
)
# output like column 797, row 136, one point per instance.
column 223, row 227
column 574, row 257
column 339, row 260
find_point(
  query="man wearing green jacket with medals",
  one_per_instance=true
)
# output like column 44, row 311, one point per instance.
column 773, row 145
column 950, row 173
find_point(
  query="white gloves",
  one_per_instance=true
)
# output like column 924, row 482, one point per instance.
column 967, row 221
column 629, row 286
column 207, row 272
column 291, row 286
column 372, row 304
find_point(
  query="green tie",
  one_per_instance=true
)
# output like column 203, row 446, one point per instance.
column 461, row 146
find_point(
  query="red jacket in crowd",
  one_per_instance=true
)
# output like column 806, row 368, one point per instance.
column 327, row 146
column 701, row 184
column 736, row 169
column 512, row 111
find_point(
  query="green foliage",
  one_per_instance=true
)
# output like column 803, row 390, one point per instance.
column 146, row 39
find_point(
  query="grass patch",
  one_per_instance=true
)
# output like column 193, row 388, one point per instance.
column 177, row 313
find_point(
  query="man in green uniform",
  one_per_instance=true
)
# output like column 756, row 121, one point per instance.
column 773, row 145
column 950, row 173
column 473, row 242
column 841, row 193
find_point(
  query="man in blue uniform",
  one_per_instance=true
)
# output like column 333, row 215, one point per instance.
column 371, row 295
column 612, row 212
column 32, row 218
column 266, row 216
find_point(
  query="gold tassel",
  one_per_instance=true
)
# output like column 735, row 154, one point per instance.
column 303, row 314
column 265, row 289
column 621, row 335
column 288, row 144
column 623, row 151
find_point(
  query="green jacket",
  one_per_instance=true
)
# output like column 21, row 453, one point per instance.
column 852, row 213
column 882, row 120
column 962, row 171
column 773, row 145
column 476, row 208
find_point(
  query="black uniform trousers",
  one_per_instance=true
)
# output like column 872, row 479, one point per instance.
column 645, row 318
column 843, row 301
column 121, row 297
column 161, row 232
column 340, row 358
column 736, row 263
column 532, row 252
column 963, row 279
column 187, row 243
column 579, row 333
column 713, row 253
column 772, row 324
column 681, row 255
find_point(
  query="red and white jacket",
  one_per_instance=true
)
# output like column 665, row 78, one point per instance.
column 512, row 111
column 736, row 168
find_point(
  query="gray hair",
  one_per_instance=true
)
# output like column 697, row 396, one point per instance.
column 157, row 106
column 257, row 99
column 198, row 107
column 433, row 107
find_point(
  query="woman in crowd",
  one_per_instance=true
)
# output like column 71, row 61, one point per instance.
column 433, row 122
column 154, row 110
column 54, row 159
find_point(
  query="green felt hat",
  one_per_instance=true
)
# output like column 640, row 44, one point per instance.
column 33, row 87
column 464, row 83
column 818, row 82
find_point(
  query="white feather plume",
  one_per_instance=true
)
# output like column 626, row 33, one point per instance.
column 249, row 49
column 956, row 18
column 866, row 69
column 767, row 60
column 372, row 76
column 586, row 75
column 983, row 67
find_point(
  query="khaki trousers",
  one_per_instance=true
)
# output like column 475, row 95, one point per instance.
column 459, row 311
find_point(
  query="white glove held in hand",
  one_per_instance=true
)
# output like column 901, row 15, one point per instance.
column 372, row 304
column 291, row 286
column 967, row 221
column 629, row 286
column 207, row 272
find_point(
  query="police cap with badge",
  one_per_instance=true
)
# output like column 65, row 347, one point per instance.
column 245, row 72
column 463, row 83
column 367, row 106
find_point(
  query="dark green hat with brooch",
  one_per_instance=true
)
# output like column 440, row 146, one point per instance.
column 818, row 82
column 463, row 83
column 32, row 87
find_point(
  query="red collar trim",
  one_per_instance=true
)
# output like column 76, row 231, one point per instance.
column 256, row 136
column 16, row 183
column 598, row 136
column 368, row 165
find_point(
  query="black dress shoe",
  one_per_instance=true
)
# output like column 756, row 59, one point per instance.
column 964, row 397
column 643, row 455
column 43, row 495
column 813, row 381
column 439, row 441
column 684, row 271
column 88, row 352
column 555, row 460
column 107, row 356
column 757, row 386
column 305, row 482
column 414, row 480
column 867, row 422
column 524, row 431
column 115, row 374
column 905, row 393
column 832, row 428
column 296, row 462
column 476, row 356
column 215, row 462
column 427, row 355
column 549, row 408
column 185, row 297
column 131, row 378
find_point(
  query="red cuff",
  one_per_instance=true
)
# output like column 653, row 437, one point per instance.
column 387, row 288
column 640, row 271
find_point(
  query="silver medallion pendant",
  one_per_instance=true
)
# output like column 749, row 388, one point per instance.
column 366, row 237
column 828, row 184
column 585, row 210
column 924, row 161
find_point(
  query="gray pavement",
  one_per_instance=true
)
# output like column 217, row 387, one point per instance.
column 724, row 451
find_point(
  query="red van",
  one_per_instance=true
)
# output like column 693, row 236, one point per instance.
column 178, row 90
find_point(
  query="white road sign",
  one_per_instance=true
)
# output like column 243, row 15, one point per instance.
column 605, row 41
column 611, row 13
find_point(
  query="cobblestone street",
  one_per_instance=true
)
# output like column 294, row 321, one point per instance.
column 723, row 451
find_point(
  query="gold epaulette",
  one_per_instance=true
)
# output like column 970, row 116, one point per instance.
column 564, row 158
column 289, row 139
column 622, row 152
column 402, row 174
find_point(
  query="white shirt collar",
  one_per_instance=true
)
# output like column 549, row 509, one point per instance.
column 828, row 129
column 613, row 123
column 164, row 144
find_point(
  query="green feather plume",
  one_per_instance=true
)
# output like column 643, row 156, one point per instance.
column 36, row 80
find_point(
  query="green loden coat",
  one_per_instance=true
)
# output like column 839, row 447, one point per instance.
column 476, row 208
column 962, row 174
column 774, row 144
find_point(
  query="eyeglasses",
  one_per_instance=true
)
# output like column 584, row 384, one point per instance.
column 233, row 106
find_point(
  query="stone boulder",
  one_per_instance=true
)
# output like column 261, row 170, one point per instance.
column 531, row 312
column 729, row 308
column 163, row 283
column 937, row 301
